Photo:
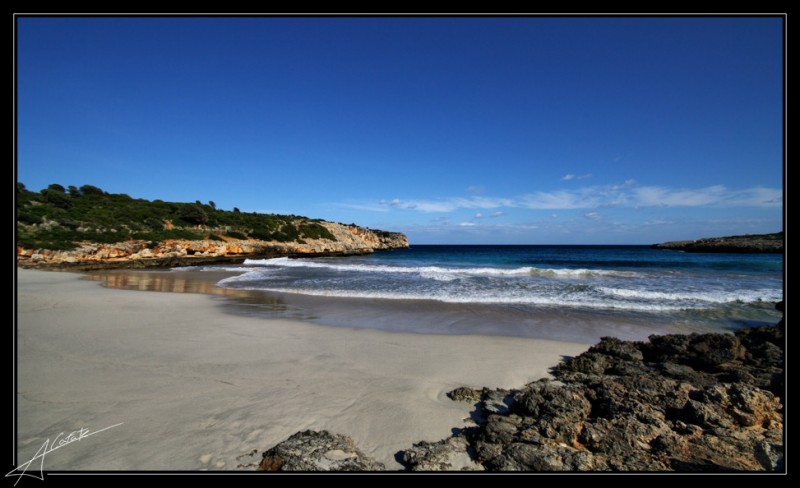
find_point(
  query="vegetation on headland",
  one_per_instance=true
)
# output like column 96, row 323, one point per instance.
column 58, row 218
column 749, row 243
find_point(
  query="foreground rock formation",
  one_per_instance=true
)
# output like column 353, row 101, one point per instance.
column 699, row 402
column 709, row 402
column 747, row 244
column 317, row 451
column 350, row 239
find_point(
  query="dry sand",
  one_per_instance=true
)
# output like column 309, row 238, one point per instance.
column 195, row 388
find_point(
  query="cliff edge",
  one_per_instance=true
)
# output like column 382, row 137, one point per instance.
column 349, row 240
column 89, row 228
column 746, row 244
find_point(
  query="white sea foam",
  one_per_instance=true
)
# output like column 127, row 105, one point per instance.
column 438, row 272
column 248, row 275
column 481, row 298
column 531, row 286
column 710, row 297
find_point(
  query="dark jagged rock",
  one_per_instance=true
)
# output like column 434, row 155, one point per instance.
column 703, row 352
column 690, row 403
column 746, row 244
column 496, row 401
column 488, row 401
column 451, row 454
column 698, row 402
column 558, row 409
column 464, row 394
column 317, row 451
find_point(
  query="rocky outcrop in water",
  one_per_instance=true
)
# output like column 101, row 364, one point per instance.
column 350, row 240
column 747, row 244
column 317, row 451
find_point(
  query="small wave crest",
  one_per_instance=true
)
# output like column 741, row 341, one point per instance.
column 578, row 301
column 440, row 273
column 742, row 296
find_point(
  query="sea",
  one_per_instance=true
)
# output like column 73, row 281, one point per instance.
column 574, row 293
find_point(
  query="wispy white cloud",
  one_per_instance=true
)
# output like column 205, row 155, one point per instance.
column 492, row 215
column 369, row 207
column 625, row 184
column 467, row 224
column 570, row 177
column 561, row 199
column 654, row 196
column 451, row 204
column 716, row 196
column 625, row 194
column 476, row 189
column 596, row 216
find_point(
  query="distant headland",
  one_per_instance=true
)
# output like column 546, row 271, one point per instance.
column 88, row 228
column 750, row 243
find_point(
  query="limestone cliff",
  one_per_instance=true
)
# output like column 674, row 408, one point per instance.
column 350, row 239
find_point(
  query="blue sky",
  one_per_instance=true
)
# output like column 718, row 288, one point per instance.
column 453, row 130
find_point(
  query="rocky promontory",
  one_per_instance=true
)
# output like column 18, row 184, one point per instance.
column 688, row 403
column 89, row 228
column 746, row 244
column 347, row 240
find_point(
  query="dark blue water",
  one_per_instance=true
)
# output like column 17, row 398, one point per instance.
column 543, row 284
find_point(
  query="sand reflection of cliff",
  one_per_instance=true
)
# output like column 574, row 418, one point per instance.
column 144, row 281
column 241, row 302
column 177, row 283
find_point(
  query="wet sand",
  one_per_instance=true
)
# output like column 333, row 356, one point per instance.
column 198, row 388
column 417, row 316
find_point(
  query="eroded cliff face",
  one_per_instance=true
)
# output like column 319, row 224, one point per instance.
column 137, row 253
column 355, row 237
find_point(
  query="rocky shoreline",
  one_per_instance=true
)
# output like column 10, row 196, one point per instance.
column 747, row 244
column 350, row 240
column 686, row 403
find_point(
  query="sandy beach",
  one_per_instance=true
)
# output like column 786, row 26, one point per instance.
column 196, row 388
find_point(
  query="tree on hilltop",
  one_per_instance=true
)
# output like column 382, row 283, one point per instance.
column 91, row 190
column 193, row 214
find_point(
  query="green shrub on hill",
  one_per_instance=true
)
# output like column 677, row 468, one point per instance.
column 316, row 231
column 193, row 214
column 59, row 218
column 162, row 235
column 91, row 190
column 57, row 198
column 236, row 235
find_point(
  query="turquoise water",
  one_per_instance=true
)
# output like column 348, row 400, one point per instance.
column 541, row 286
